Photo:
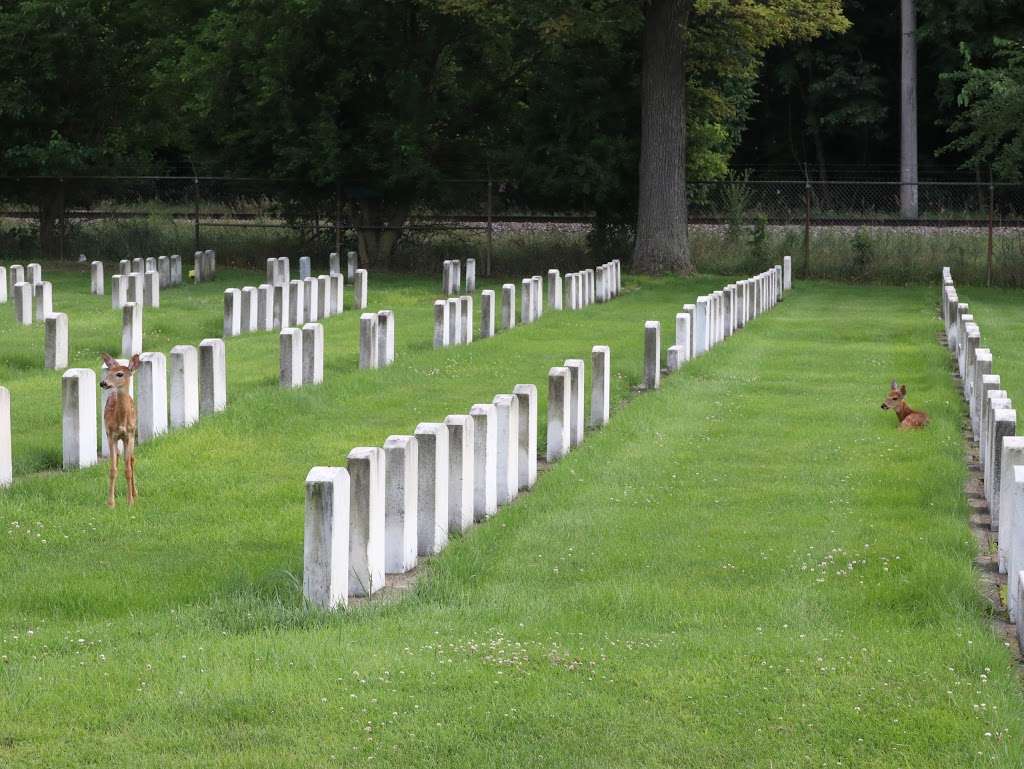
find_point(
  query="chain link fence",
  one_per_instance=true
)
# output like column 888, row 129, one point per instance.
column 841, row 229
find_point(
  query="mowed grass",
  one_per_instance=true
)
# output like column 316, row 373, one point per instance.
column 999, row 314
column 751, row 567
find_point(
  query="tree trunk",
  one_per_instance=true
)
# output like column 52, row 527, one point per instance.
column 379, row 228
column 661, row 244
column 51, row 211
column 908, row 110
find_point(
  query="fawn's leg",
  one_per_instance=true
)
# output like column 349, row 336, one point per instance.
column 112, row 442
column 129, row 467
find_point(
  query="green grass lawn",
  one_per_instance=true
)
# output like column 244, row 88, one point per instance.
column 751, row 567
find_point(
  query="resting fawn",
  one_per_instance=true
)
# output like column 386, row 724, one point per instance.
column 119, row 420
column 909, row 418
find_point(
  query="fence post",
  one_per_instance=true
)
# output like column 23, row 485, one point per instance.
column 807, row 229
column 63, row 214
column 490, row 219
column 991, row 216
column 195, row 223
column 337, row 219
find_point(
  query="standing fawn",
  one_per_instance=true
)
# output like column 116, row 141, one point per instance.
column 119, row 421
column 895, row 401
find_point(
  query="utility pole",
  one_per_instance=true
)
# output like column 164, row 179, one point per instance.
column 908, row 110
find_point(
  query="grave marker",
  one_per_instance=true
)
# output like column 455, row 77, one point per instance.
column 184, row 404
column 325, row 537
column 401, row 492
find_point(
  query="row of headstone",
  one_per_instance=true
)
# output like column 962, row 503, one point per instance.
column 198, row 387
column 302, row 356
column 142, row 288
column 376, row 339
column 451, row 276
column 567, row 399
column 279, row 268
column 393, row 505
column 279, row 306
column 32, row 301
column 993, row 423
column 15, row 274
column 453, row 317
column 204, row 266
column 713, row 319
column 168, row 272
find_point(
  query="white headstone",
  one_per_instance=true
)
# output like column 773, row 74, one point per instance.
column 555, row 289
column 360, row 289
column 22, row 303
column 486, row 314
column 290, row 370
column 485, row 468
column 507, row 441
column 508, row 306
column 96, row 278
column 600, row 386
column 559, row 397
column 249, row 319
column 652, row 354
column 432, row 482
column 184, row 400
column 312, row 353
column 385, row 338
column 42, row 299
column 6, row 455
column 131, row 329
column 369, row 344
column 366, row 521
column 325, row 538
column 576, row 400
column 78, row 420
column 460, row 472
column 440, row 323
column 401, row 501
column 55, row 342
column 213, row 389
column 526, row 394
column 151, row 403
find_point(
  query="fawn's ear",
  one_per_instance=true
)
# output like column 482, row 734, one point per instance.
column 903, row 389
column 134, row 363
column 108, row 359
column 893, row 386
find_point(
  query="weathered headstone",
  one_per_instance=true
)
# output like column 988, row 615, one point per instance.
column 311, row 300
column 385, row 338
column 305, row 268
column 360, row 289
column 555, row 289
column 576, row 401
column 56, row 341
column 366, row 520
column 42, row 299
column 23, row 303
column 401, row 501
column 466, row 320
column 34, row 273
column 470, row 275
column 325, row 537
column 249, row 316
column 454, row 321
column 526, row 394
column 508, row 306
column 485, row 468
column 369, row 345
column 701, row 326
column 184, row 401
column 334, row 263
column 486, row 313
column 506, row 416
column 265, row 307
column 96, row 278
column 6, row 455
column 312, row 353
column 1011, row 453
column 78, row 417
column 213, row 389
column 3, row 285
column 600, row 385
column 559, row 437
column 290, row 370
column 151, row 403
column 282, row 306
column 353, row 265
column 787, row 273
column 432, row 482
column 460, row 472
column 325, row 291
column 440, row 323
column 163, row 268
column 296, row 303
column 652, row 355
column 526, row 302
column 131, row 329
column 232, row 312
